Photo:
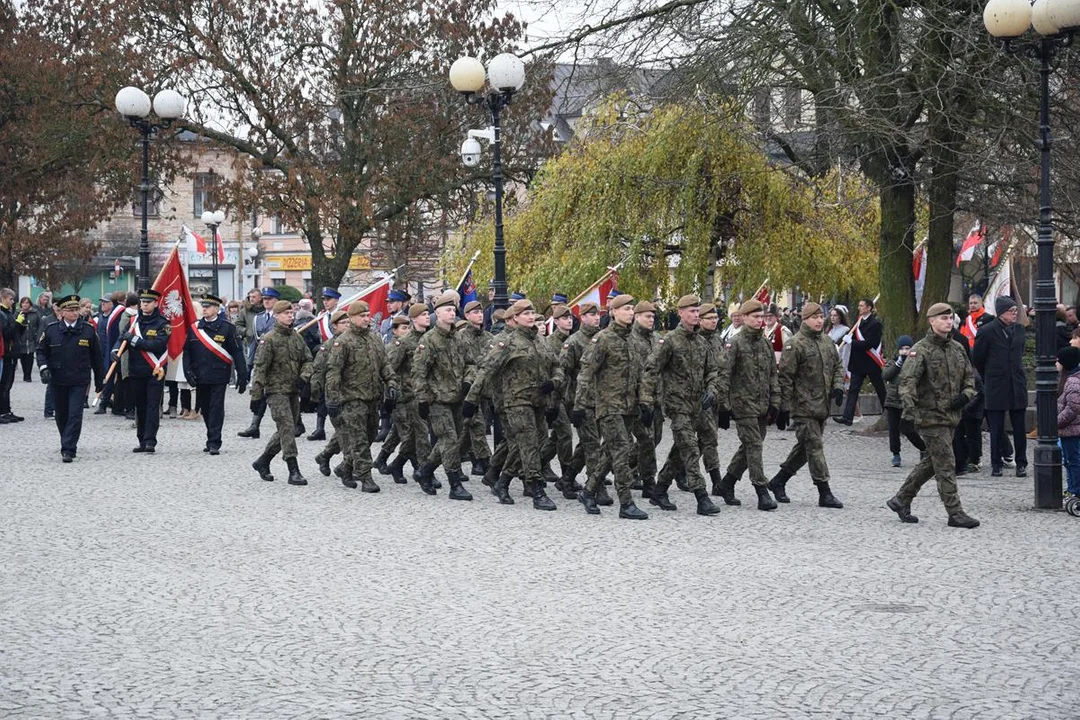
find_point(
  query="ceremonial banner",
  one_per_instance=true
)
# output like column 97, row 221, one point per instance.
column 197, row 244
column 597, row 292
column 975, row 237
column 177, row 307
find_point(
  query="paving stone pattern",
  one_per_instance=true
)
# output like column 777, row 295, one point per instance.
column 179, row 585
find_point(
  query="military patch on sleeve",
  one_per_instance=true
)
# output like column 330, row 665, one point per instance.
column 566, row 346
column 911, row 353
column 396, row 343
column 788, row 346
column 727, row 346
column 661, row 341
column 594, row 340
column 337, row 343
column 502, row 345
column 420, row 346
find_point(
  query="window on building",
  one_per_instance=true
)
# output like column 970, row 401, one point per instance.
column 277, row 282
column 153, row 200
column 203, row 194
column 278, row 226
column 792, row 109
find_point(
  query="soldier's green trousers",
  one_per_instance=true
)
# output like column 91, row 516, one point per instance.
column 525, row 427
column 473, row 437
column 616, row 432
column 445, row 422
column 685, row 455
column 589, row 453
column 284, row 409
column 560, row 441
column 415, row 444
column 646, row 438
column 708, row 441
column 939, row 462
column 358, row 424
column 751, row 433
column 809, row 449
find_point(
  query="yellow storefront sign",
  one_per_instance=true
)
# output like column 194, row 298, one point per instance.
column 303, row 262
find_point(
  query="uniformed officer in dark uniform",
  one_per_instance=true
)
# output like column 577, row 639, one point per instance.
column 264, row 323
column 147, row 345
column 211, row 352
column 67, row 352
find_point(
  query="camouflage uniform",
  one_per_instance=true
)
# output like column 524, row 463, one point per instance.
column 412, row 429
column 282, row 362
column 318, row 393
column 748, row 387
column 560, row 441
column 439, row 375
column 935, row 375
column 589, row 452
column 645, row 341
column 709, row 440
column 473, row 436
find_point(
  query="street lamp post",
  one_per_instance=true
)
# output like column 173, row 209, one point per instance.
column 505, row 75
column 134, row 104
column 1055, row 21
column 213, row 221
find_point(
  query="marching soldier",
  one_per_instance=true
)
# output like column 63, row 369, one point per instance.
column 147, row 344
column 67, row 352
column 441, row 372
column 356, row 375
column 935, row 385
column 400, row 329
column 615, row 376
column 500, row 472
column 477, row 341
column 282, row 368
column 710, row 454
column 645, row 341
column 749, row 393
column 686, row 372
column 316, row 337
column 560, row 440
column 415, row 443
column 263, row 324
column 589, row 453
column 339, row 323
column 212, row 350
column 810, row 378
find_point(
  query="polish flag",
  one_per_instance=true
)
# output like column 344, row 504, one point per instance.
column 975, row 237
column 597, row 292
column 918, row 271
column 197, row 244
column 376, row 297
column 177, row 307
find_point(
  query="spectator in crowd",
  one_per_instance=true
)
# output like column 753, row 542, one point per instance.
column 864, row 361
column 998, row 357
column 1068, row 418
column 28, row 343
column 1070, row 318
column 838, row 323
column 970, row 328
column 1062, row 331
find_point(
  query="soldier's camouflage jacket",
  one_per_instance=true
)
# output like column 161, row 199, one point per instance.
column 809, row 370
column 747, row 382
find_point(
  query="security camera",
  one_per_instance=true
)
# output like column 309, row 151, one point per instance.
column 470, row 152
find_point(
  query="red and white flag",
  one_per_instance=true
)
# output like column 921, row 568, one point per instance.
column 177, row 307
column 197, row 244
column 918, row 271
column 375, row 296
column 974, row 239
column 764, row 294
column 597, row 292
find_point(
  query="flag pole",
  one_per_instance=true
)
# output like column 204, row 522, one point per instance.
column 611, row 269
column 390, row 276
column 467, row 269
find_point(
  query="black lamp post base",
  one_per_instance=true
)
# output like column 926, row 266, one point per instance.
column 1047, row 477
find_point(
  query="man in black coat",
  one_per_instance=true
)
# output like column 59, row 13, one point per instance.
column 998, row 356
column 211, row 352
column 865, row 361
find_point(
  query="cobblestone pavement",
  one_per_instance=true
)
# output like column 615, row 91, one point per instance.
column 180, row 585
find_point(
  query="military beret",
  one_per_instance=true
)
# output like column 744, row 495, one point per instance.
column 811, row 309
column 472, row 305
column 460, row 324
column 329, row 292
column 751, row 306
column 498, row 315
column 282, row 306
column 644, row 306
column 939, row 309
column 587, row 308
column 687, row 301
column 518, row 307
column 338, row 316
column 269, row 292
column 357, row 307
column 399, row 320
column 708, row 309
column 447, row 299
column 620, row 300
column 398, row 296
column 417, row 309
column 68, row 302
column 212, row 299
column 560, row 311
column 150, row 294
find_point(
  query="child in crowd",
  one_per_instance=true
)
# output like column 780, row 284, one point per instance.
column 893, row 408
column 1068, row 365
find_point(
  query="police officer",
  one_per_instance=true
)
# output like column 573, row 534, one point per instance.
column 264, row 323
column 395, row 305
column 67, row 352
column 147, row 345
column 212, row 351
column 936, row 383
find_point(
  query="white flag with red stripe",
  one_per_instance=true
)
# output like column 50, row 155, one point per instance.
column 974, row 239
column 197, row 244
column 597, row 292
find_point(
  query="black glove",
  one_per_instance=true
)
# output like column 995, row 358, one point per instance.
column 770, row 415
column 46, row 375
column 723, row 419
column 333, row 409
column 468, row 409
column 465, row 388
column 255, row 405
column 114, row 357
column 837, row 396
column 392, row 396
column 300, row 385
column 646, row 412
column 241, row 386
column 99, row 389
column 958, row 402
column 707, row 400
column 551, row 414
column 424, row 410
column 907, row 427
column 126, row 337
column 548, row 387
column 578, row 417
column 782, row 419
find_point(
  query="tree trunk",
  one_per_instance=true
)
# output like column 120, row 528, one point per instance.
column 896, row 306
column 942, row 201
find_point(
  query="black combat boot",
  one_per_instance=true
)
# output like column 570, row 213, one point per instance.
column 344, row 473
column 549, row 474
column 368, row 485
column 661, row 500
column 602, row 497
column 727, row 491
column 299, row 429
column 587, row 499
column 324, row 464
column 565, row 485
column 347, row 479
column 320, row 428
column 963, row 520
column 262, row 466
column 825, row 497
column 380, row 461
column 424, row 476
column 705, row 506
column 491, row 475
column 397, row 470
column 630, row 511
column 764, row 499
column 902, row 509
column 647, row 486
column 540, row 499
column 501, row 490
column 778, row 485
column 457, row 490
column 384, row 428
column 252, row 429
column 714, row 476
column 479, row 467
column 295, row 478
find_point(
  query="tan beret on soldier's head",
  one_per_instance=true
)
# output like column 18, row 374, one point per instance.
column 688, row 301
column 472, row 305
column 620, row 300
column 939, row 309
column 708, row 309
column 588, row 308
column 447, row 299
column 643, row 307
column 810, row 309
column 417, row 309
column 560, row 311
column 358, row 307
column 751, row 306
column 519, row 307
column 282, row 306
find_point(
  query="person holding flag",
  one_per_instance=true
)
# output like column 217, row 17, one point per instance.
column 211, row 352
column 147, row 343
column 866, row 360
